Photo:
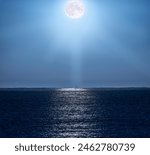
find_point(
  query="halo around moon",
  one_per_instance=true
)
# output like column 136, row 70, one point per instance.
column 74, row 9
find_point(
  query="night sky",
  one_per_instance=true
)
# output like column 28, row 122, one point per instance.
column 41, row 47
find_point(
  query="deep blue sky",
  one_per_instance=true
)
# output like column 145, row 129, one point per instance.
column 41, row 47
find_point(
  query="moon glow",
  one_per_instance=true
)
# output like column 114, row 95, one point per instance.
column 74, row 9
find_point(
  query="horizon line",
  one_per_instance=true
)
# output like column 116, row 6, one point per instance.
column 105, row 87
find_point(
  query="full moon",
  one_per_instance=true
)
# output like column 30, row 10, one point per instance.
column 74, row 9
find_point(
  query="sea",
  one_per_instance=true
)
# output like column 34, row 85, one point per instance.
column 75, row 113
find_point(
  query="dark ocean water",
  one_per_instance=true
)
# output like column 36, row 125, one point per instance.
column 75, row 113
